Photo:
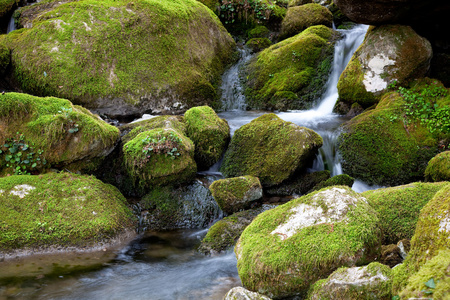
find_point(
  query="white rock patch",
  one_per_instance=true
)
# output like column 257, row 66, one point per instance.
column 21, row 190
column 356, row 276
column 304, row 215
column 444, row 225
column 372, row 79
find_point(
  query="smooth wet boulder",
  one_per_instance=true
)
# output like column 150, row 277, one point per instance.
column 61, row 210
column 298, row 18
column 236, row 194
column 371, row 282
column 240, row 293
column 158, row 157
column 35, row 130
column 438, row 168
column 188, row 206
column 270, row 149
column 399, row 207
column 224, row 233
column 288, row 248
column 389, row 53
column 123, row 58
column 209, row 133
column 292, row 73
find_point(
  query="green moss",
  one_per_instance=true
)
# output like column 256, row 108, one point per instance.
column 5, row 57
column 295, row 65
column 258, row 44
column 64, row 132
column 209, row 133
column 258, row 32
column 381, row 147
column 279, row 267
column 270, row 149
column 342, row 179
column 298, row 18
column 292, row 3
column 59, row 209
column 398, row 208
column 399, row 278
column 90, row 62
column 7, row 6
column 438, row 168
column 154, row 167
column 211, row 4
column 235, row 194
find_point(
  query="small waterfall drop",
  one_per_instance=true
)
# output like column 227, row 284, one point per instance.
column 11, row 25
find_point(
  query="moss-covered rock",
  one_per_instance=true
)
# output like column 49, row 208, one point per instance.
column 225, row 233
column 381, row 146
column 270, row 149
column 6, row 7
column 391, row 255
column 298, row 18
column 299, row 184
column 160, row 156
column 438, row 168
column 63, row 134
column 209, row 133
column 240, row 293
column 5, row 57
column 286, row 249
column 121, row 57
column 293, row 3
column 235, row 194
column 399, row 207
column 292, row 73
column 342, row 179
column 258, row 44
column 369, row 282
column 389, row 53
column 211, row 4
column 189, row 206
column 59, row 210
column 258, row 32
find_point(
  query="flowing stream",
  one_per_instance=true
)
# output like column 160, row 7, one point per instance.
column 165, row 265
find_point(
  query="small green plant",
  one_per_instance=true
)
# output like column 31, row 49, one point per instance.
column 66, row 113
column 20, row 156
column 232, row 10
column 167, row 144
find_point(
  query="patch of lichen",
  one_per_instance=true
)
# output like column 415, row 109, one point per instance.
column 370, row 289
column 298, row 18
column 209, row 133
column 292, row 65
column 270, row 149
column 49, row 124
column 131, row 130
column 154, row 168
column 399, row 207
column 437, row 269
column 342, row 179
column 438, row 168
column 381, row 146
column 230, row 193
column 266, row 263
column 60, row 210
column 78, row 50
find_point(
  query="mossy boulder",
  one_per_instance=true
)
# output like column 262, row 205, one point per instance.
column 438, row 168
column 288, row 248
column 293, row 3
column 389, row 53
column 122, row 58
column 6, row 7
column 59, row 210
column 258, row 44
column 299, row 184
column 399, row 207
column 160, row 156
column 54, row 130
column 209, row 133
column 368, row 282
column 258, row 32
column 270, row 149
column 224, row 233
column 235, row 194
column 342, row 179
column 5, row 57
column 188, row 206
column 240, row 293
column 298, row 18
column 381, row 146
column 292, row 73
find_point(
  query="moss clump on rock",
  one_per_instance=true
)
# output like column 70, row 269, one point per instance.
column 65, row 133
column 235, row 194
column 342, row 179
column 298, row 18
column 313, row 235
column 371, row 282
column 103, row 54
column 399, row 207
column 258, row 32
column 299, row 65
column 209, row 133
column 293, row 3
column 7, row 6
column 59, row 210
column 131, row 130
column 159, row 156
column 438, row 168
column 258, row 44
column 270, row 149
column 5, row 57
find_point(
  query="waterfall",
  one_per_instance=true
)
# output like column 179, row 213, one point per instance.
column 11, row 25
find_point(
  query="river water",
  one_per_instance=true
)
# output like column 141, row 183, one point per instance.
column 166, row 265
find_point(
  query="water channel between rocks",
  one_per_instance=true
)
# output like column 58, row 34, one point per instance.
column 166, row 265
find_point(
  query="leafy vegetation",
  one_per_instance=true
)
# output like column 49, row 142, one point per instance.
column 231, row 11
